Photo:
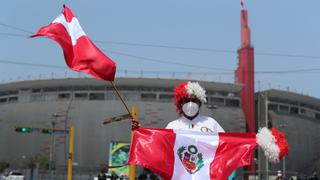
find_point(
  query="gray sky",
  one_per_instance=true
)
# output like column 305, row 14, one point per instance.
column 143, row 35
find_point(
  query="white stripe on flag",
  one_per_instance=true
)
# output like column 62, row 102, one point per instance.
column 206, row 144
column 74, row 29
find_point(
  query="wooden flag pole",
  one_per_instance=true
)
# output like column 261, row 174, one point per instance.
column 134, row 117
column 125, row 105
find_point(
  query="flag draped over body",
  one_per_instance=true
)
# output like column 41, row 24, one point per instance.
column 79, row 51
column 177, row 154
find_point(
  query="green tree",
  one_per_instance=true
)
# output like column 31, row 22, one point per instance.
column 3, row 166
column 33, row 161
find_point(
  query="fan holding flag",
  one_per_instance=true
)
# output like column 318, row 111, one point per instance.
column 195, row 146
column 188, row 98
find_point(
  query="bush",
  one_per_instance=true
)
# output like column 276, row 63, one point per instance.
column 3, row 166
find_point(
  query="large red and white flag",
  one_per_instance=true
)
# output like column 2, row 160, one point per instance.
column 79, row 51
column 188, row 155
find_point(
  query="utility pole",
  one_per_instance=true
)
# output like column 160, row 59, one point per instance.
column 66, row 127
column 51, row 151
column 259, row 124
column 134, row 115
column 284, row 167
column 283, row 125
column 71, row 152
column 266, row 116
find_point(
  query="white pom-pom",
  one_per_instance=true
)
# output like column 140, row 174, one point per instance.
column 193, row 88
column 267, row 142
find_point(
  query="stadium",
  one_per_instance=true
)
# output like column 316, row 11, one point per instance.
column 84, row 103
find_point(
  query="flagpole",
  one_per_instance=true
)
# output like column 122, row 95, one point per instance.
column 125, row 105
column 134, row 117
column 132, row 170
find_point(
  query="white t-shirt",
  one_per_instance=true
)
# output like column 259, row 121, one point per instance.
column 200, row 123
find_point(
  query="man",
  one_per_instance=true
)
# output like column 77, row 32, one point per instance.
column 313, row 176
column 188, row 98
column 102, row 175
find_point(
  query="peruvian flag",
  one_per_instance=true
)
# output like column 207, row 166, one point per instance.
column 79, row 51
column 188, row 155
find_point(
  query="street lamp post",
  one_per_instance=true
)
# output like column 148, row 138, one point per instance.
column 283, row 125
column 266, row 116
column 284, row 167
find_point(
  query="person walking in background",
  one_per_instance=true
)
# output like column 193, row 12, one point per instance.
column 102, row 175
column 314, row 176
column 114, row 175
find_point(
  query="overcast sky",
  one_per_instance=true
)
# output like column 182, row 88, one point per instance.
column 156, row 36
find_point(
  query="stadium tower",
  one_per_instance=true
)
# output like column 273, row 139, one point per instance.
column 244, row 74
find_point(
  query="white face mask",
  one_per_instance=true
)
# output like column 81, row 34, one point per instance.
column 190, row 109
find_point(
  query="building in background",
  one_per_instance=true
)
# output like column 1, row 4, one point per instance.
column 298, row 116
column 84, row 103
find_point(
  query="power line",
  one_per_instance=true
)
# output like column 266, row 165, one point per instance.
column 190, row 48
column 186, row 48
column 290, row 71
column 165, row 46
column 13, row 34
column 166, row 62
column 15, row 28
column 168, row 47
column 206, row 49
column 31, row 64
column 286, row 55
column 312, row 70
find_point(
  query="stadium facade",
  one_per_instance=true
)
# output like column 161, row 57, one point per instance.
column 298, row 116
column 85, row 102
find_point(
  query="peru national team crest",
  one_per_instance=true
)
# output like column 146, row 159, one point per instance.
column 190, row 158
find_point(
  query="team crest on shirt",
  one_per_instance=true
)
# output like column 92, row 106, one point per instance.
column 191, row 158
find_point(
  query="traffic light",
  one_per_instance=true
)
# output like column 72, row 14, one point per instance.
column 23, row 129
column 47, row 131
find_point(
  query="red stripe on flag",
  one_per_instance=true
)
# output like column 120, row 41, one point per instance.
column 58, row 33
column 234, row 150
column 83, row 56
column 91, row 60
column 153, row 149
column 68, row 14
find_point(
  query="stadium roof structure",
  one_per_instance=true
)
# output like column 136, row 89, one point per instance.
column 129, row 82
column 292, row 97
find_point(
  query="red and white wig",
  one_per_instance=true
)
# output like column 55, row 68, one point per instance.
column 185, row 90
